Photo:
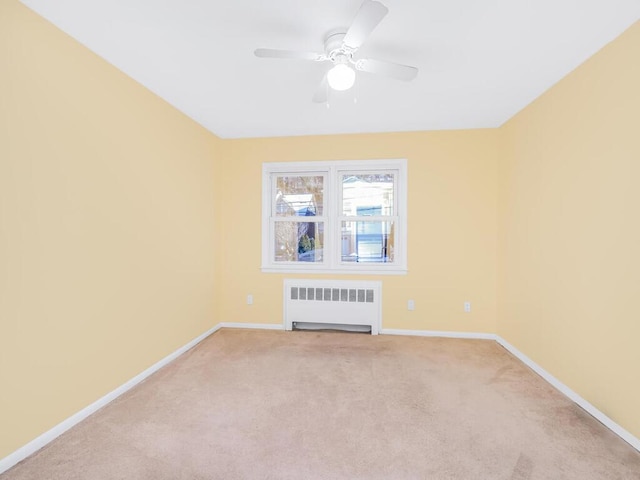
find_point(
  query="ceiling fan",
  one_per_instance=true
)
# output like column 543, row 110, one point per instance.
column 340, row 48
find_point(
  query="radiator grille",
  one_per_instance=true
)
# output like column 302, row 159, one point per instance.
column 333, row 294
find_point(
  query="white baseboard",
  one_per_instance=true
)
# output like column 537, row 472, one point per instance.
column 259, row 326
column 50, row 435
column 557, row 384
column 36, row 444
column 438, row 333
column 588, row 407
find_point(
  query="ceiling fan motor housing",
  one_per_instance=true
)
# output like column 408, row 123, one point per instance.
column 335, row 49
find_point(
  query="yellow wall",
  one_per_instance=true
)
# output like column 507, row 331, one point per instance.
column 109, row 259
column 106, row 227
column 570, row 231
column 452, row 226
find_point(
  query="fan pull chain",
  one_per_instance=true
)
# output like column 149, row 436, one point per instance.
column 328, row 97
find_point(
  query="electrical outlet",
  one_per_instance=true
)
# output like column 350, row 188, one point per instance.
column 249, row 299
column 467, row 307
column 411, row 305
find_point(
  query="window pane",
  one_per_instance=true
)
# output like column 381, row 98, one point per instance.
column 368, row 242
column 367, row 194
column 299, row 195
column 298, row 241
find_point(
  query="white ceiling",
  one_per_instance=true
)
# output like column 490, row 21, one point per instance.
column 480, row 61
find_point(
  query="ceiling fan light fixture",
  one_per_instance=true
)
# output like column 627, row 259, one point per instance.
column 341, row 77
column 341, row 47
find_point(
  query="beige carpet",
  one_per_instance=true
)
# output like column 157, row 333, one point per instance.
column 305, row 405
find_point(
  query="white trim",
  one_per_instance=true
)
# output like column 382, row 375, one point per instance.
column 553, row 381
column 33, row 446
column 438, row 333
column 326, row 271
column 259, row 326
column 331, row 169
column 588, row 407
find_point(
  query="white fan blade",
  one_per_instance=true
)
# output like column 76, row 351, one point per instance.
column 369, row 16
column 274, row 53
column 321, row 95
column 388, row 69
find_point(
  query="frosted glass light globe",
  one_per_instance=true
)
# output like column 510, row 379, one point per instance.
column 341, row 77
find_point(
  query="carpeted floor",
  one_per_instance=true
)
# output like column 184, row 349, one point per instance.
column 250, row 404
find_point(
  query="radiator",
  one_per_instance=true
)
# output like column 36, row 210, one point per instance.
column 341, row 302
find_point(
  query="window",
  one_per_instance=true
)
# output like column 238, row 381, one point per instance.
column 340, row 216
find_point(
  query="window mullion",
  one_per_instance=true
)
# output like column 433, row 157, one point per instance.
column 331, row 226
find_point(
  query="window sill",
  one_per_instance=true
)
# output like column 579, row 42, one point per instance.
column 336, row 271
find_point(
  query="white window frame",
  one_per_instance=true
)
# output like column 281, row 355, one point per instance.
column 333, row 216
